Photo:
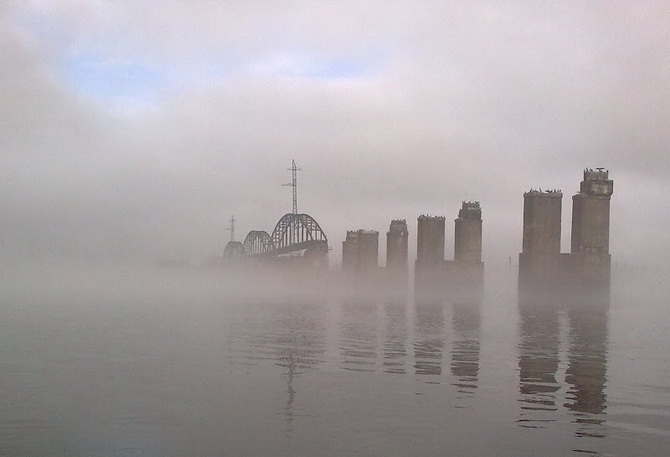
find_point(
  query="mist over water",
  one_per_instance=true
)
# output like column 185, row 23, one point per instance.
column 179, row 362
column 130, row 132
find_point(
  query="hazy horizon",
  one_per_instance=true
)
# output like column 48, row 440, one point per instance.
column 132, row 131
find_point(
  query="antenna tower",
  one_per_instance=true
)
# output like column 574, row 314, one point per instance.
column 231, row 229
column 294, row 183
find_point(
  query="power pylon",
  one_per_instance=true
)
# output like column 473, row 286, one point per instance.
column 294, row 183
column 231, row 229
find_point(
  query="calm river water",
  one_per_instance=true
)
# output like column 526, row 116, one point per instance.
column 121, row 364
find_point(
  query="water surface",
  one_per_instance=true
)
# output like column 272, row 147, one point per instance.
column 121, row 364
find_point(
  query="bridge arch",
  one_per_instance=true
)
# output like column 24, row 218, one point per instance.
column 234, row 250
column 257, row 242
column 296, row 232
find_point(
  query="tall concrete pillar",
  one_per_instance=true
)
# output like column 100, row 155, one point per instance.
column 430, row 240
column 468, row 234
column 591, row 214
column 396, row 246
column 430, row 263
column 591, row 229
column 465, row 274
column 368, row 250
column 350, row 251
column 360, row 251
column 542, row 222
column 539, row 261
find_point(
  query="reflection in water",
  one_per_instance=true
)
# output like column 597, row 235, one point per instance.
column 281, row 332
column 290, row 334
column 299, row 345
column 585, row 375
column 358, row 342
column 150, row 375
column 587, row 371
column 395, row 338
column 288, row 413
column 466, row 322
column 429, row 339
column 538, row 363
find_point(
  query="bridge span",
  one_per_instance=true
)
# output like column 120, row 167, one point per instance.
column 295, row 234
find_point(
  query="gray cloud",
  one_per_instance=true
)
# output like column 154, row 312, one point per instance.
column 392, row 109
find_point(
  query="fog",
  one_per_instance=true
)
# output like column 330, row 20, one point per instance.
column 130, row 132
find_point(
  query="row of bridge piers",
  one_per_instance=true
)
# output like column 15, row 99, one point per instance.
column 462, row 277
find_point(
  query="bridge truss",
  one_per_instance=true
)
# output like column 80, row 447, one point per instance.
column 257, row 242
column 298, row 232
column 293, row 234
column 234, row 251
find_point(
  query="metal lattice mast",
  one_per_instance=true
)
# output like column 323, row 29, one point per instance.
column 294, row 183
column 231, row 229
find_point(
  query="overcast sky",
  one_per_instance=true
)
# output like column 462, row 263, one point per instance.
column 134, row 129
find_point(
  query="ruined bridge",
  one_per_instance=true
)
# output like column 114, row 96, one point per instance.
column 294, row 234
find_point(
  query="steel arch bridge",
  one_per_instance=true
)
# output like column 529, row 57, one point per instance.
column 297, row 232
column 293, row 233
column 257, row 242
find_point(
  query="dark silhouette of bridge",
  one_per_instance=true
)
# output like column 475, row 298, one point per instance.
column 295, row 234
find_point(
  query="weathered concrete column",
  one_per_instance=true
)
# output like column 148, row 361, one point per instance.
column 540, row 258
column 396, row 246
column 591, row 229
column 429, row 266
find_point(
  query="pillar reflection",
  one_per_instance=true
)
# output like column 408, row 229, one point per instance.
column 395, row 336
column 466, row 323
column 358, row 340
column 429, row 337
column 586, row 374
column 538, row 364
